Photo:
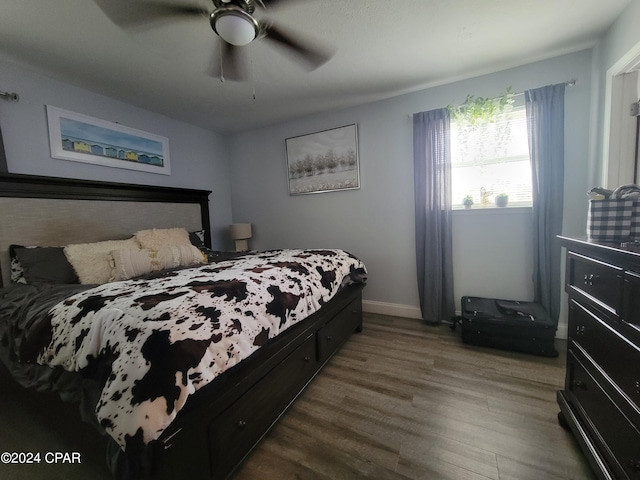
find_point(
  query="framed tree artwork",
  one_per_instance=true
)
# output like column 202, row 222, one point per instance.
column 323, row 161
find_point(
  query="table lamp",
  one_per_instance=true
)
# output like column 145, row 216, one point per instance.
column 241, row 233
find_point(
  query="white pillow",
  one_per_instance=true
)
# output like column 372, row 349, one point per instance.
column 158, row 238
column 129, row 263
column 92, row 261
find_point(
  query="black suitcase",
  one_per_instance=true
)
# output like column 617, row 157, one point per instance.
column 508, row 325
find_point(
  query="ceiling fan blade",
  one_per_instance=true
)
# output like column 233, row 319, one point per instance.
column 230, row 64
column 312, row 55
column 128, row 13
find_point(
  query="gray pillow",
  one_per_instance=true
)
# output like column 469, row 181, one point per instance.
column 45, row 265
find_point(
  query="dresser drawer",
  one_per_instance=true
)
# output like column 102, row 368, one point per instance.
column 623, row 440
column 600, row 281
column 631, row 311
column 614, row 354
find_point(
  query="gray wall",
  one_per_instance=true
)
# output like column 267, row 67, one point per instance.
column 198, row 156
column 622, row 37
column 376, row 222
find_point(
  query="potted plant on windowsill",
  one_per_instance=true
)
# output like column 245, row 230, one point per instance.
column 467, row 201
column 502, row 200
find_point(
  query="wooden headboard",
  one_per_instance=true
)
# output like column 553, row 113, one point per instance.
column 50, row 211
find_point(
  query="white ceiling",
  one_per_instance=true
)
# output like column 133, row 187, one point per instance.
column 383, row 48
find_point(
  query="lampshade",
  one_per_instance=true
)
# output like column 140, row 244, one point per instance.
column 236, row 28
column 240, row 231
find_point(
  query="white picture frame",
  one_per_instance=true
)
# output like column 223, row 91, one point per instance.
column 81, row 138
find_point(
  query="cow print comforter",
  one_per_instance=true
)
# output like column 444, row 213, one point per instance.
column 164, row 338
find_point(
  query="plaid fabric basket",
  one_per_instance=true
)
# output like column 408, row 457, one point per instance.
column 635, row 221
column 612, row 220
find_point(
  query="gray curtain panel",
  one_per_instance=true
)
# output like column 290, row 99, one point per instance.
column 545, row 125
column 432, row 189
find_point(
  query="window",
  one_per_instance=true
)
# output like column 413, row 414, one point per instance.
column 489, row 159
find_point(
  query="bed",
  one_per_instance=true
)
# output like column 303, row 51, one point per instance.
column 172, row 405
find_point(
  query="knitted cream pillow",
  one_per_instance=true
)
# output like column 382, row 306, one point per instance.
column 129, row 263
column 157, row 238
column 92, row 261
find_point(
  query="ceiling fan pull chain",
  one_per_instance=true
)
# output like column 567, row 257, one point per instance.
column 253, row 83
column 221, row 62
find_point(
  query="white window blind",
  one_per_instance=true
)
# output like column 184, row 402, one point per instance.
column 491, row 159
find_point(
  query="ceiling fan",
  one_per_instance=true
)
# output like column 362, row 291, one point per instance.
column 232, row 20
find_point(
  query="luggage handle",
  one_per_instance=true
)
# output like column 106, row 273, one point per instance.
column 510, row 308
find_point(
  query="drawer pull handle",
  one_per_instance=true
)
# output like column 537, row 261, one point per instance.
column 241, row 425
column 591, row 279
column 638, row 387
column 635, row 465
column 329, row 338
column 579, row 384
column 580, row 330
column 307, row 358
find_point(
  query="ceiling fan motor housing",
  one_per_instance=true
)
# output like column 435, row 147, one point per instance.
column 234, row 24
column 248, row 6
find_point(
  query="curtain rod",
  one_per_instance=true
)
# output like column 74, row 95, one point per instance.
column 568, row 83
column 9, row 97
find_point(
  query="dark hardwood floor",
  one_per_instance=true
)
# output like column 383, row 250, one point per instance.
column 400, row 400
column 35, row 422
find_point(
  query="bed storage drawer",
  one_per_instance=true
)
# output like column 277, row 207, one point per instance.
column 598, row 280
column 240, row 427
column 604, row 420
column 331, row 335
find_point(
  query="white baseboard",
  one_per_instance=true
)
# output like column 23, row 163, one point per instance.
column 394, row 309
column 409, row 311
column 562, row 332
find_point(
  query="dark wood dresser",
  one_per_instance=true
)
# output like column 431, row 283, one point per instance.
column 600, row 402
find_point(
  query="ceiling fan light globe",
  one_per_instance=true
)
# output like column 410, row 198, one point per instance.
column 235, row 30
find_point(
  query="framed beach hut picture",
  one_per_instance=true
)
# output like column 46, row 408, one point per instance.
column 81, row 138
